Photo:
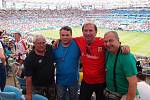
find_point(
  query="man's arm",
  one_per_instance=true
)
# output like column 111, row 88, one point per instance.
column 29, row 88
column 132, row 87
column 2, row 55
column 3, row 58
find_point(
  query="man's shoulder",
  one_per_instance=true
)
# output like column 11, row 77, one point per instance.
column 99, row 42
column 78, row 38
column 80, row 41
column 73, row 42
column 126, row 58
column 20, row 41
column 128, row 55
column 49, row 47
column 31, row 54
column 99, row 39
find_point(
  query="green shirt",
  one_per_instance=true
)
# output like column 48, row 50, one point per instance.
column 125, row 67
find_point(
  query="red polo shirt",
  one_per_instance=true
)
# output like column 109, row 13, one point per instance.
column 93, row 59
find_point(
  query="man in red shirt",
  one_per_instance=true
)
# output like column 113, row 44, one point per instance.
column 93, row 60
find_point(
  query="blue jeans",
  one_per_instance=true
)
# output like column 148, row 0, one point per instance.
column 67, row 92
column 2, row 76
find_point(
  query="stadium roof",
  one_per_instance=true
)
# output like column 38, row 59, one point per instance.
column 97, row 3
column 85, row 1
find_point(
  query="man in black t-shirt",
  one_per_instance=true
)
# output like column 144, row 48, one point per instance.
column 39, row 70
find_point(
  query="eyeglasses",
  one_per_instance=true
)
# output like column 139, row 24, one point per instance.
column 89, row 31
column 108, row 41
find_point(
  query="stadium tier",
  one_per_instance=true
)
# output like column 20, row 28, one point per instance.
column 31, row 20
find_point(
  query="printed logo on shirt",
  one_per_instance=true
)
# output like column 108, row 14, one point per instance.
column 40, row 61
column 89, row 56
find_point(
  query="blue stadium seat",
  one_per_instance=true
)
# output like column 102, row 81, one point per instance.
column 8, row 96
column 38, row 97
column 13, row 89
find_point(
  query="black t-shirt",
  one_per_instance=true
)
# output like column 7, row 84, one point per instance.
column 40, row 68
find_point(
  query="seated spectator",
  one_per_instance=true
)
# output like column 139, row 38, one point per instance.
column 143, row 87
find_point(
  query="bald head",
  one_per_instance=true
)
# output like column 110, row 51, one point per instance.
column 112, row 32
column 111, row 41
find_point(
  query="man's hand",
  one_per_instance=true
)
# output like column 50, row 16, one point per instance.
column 3, row 58
column 125, row 49
column 56, row 43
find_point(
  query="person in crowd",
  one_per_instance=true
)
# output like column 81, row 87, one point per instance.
column 143, row 87
column 39, row 70
column 10, row 56
column 2, row 68
column 121, row 70
column 10, row 51
column 67, row 56
column 21, row 48
column 21, row 52
column 1, row 34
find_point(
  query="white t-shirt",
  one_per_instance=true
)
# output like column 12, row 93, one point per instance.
column 144, row 90
column 20, row 49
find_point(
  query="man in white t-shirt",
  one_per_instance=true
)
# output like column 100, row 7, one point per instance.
column 20, row 53
column 21, row 48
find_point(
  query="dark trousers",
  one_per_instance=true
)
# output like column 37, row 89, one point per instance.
column 49, row 92
column 2, row 76
column 86, row 91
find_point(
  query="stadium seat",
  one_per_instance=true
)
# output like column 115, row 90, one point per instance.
column 13, row 89
column 38, row 97
column 8, row 96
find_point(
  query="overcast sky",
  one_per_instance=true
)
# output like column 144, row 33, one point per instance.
column 82, row 1
column 78, row 2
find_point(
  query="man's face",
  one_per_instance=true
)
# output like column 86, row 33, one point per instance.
column 65, row 36
column 40, row 45
column 17, row 36
column 11, row 45
column 111, row 43
column 89, row 32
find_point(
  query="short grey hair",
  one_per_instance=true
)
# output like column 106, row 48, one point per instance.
column 114, row 32
column 38, row 36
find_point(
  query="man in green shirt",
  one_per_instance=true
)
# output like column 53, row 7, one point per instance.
column 120, row 68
